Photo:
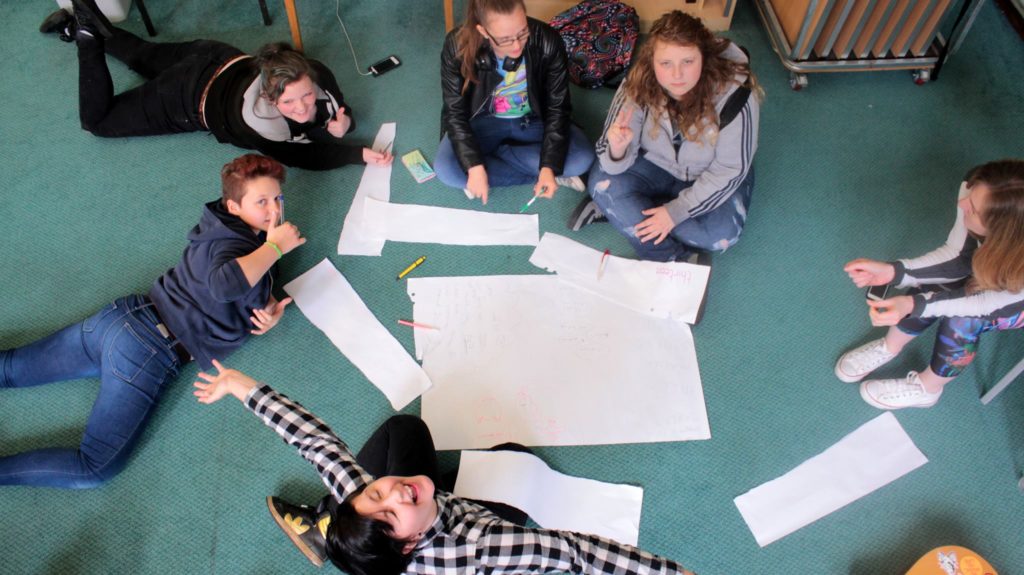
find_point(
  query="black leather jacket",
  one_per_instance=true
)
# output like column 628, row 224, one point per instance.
column 547, row 85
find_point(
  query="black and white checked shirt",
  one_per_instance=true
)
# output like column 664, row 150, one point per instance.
column 465, row 537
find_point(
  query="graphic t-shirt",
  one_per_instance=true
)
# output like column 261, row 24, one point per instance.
column 510, row 97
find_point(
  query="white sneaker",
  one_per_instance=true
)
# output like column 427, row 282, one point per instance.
column 574, row 182
column 898, row 393
column 858, row 362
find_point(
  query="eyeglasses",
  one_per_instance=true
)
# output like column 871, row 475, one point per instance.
column 508, row 41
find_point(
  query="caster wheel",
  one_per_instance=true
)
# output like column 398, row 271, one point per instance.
column 797, row 81
column 921, row 77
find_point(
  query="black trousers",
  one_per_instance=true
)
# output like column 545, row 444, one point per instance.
column 402, row 446
column 167, row 103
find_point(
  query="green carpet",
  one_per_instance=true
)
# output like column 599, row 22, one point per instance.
column 860, row 164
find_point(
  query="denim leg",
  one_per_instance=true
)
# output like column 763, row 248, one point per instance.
column 511, row 152
column 580, row 156
column 623, row 197
column 70, row 353
column 135, row 362
column 402, row 446
column 720, row 228
column 446, row 165
column 518, row 160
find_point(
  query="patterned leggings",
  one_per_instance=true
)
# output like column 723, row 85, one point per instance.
column 956, row 342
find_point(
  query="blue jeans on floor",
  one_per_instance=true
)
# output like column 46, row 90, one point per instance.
column 122, row 346
column 623, row 197
column 511, row 149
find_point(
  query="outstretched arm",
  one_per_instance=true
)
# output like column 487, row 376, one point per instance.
column 299, row 428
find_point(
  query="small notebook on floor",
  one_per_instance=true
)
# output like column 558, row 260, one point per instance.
column 418, row 166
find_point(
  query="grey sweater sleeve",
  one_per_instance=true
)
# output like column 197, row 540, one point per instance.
column 734, row 154
column 617, row 166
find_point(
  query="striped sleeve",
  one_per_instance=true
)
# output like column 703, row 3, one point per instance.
column 958, row 303
column 313, row 438
column 602, row 149
column 734, row 154
column 946, row 264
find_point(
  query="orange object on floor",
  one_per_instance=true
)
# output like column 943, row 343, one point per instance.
column 951, row 560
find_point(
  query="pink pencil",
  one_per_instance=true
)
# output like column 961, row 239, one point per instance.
column 414, row 324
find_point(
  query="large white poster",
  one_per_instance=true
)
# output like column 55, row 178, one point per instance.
column 537, row 361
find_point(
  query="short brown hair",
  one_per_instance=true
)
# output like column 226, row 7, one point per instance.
column 236, row 173
column 280, row 65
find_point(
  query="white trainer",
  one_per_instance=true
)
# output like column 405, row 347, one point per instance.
column 860, row 361
column 574, row 182
column 898, row 393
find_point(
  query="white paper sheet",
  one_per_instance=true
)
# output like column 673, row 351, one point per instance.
column 877, row 453
column 330, row 303
column 376, row 184
column 435, row 225
column 670, row 289
column 552, row 499
column 534, row 360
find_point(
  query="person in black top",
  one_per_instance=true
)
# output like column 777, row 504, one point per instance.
column 205, row 307
column 506, row 110
column 278, row 102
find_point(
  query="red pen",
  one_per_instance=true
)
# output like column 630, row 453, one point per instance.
column 600, row 266
column 414, row 324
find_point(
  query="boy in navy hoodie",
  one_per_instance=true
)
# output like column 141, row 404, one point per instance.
column 203, row 308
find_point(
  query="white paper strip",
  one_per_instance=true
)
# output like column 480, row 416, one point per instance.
column 670, row 289
column 552, row 499
column 877, row 453
column 330, row 303
column 537, row 361
column 375, row 184
column 434, row 225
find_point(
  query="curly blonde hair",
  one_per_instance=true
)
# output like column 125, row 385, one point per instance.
column 695, row 111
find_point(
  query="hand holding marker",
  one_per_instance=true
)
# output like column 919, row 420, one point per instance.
column 533, row 199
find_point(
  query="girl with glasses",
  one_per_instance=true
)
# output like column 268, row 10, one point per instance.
column 505, row 118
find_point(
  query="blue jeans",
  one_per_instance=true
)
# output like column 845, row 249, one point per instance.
column 623, row 197
column 511, row 149
column 121, row 345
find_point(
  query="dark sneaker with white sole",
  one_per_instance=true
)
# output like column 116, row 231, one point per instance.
column 303, row 526
column 586, row 212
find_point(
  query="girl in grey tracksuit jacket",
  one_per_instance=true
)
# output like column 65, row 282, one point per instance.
column 704, row 185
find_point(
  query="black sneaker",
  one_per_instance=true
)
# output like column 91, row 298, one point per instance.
column 301, row 524
column 701, row 258
column 586, row 212
column 91, row 20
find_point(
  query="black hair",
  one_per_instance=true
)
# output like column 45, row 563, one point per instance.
column 362, row 545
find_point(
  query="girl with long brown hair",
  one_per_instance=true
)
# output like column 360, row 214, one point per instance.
column 505, row 118
column 672, row 174
column 972, row 284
